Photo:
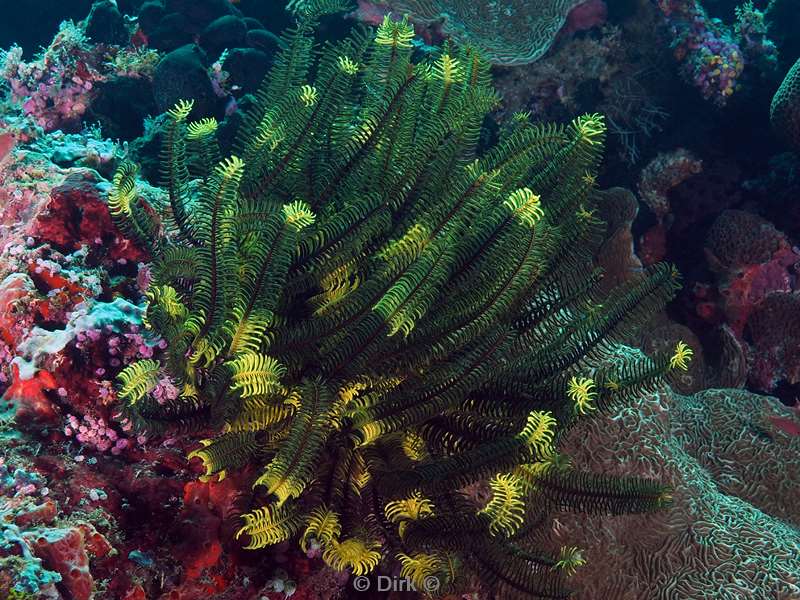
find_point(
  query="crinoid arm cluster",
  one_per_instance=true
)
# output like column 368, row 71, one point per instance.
column 383, row 319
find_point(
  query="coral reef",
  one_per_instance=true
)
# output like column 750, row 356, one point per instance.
column 618, row 208
column 206, row 44
column 709, row 56
column 712, row 55
column 75, row 481
column 615, row 69
column 752, row 259
column 54, row 89
column 549, row 87
column 750, row 30
column 732, row 530
column 773, row 329
column 753, row 295
column 57, row 88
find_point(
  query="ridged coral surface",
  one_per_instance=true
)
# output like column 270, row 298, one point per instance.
column 509, row 32
column 732, row 531
column 738, row 238
column 785, row 110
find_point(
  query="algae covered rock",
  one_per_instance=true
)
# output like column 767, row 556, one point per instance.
column 182, row 74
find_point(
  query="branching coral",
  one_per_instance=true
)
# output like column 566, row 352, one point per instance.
column 751, row 32
column 380, row 317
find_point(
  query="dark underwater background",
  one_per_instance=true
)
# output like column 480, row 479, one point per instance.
column 700, row 101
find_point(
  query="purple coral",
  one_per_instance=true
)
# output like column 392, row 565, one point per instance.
column 709, row 56
column 95, row 433
column 56, row 88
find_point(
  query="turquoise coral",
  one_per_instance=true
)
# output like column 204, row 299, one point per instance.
column 16, row 554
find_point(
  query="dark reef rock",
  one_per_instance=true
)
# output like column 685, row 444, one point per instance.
column 263, row 39
column 174, row 23
column 129, row 7
column 273, row 15
column 146, row 149
column 247, row 68
column 121, row 105
column 182, row 74
column 783, row 20
column 253, row 23
column 106, row 25
column 172, row 31
column 150, row 14
column 201, row 12
column 226, row 32
column 229, row 128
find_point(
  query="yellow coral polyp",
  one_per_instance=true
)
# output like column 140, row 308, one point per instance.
column 591, row 128
column 407, row 247
column 123, row 190
column 526, row 206
column 665, row 498
column 539, row 431
column 347, row 65
column 420, row 567
column 447, row 69
column 521, row 116
column 569, row 559
column 199, row 129
column 506, row 509
column 207, row 462
column 230, row 168
column 582, row 392
column 395, row 33
column 267, row 526
column 361, row 556
column 181, row 110
column 409, row 509
column 414, row 446
column 682, row 357
column 309, row 95
column 298, row 214
column 369, row 432
column 323, row 526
